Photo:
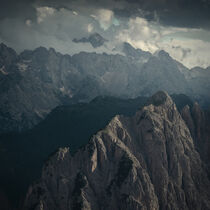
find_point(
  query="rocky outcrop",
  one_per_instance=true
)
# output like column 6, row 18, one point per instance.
column 147, row 161
column 137, row 54
column 198, row 122
column 63, row 123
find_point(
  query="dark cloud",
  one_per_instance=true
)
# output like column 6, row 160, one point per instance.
column 17, row 9
column 183, row 13
column 146, row 24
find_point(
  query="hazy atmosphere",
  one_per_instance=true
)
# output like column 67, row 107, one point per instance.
column 180, row 27
column 104, row 104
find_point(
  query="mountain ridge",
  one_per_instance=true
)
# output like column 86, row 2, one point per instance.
column 34, row 82
column 150, row 155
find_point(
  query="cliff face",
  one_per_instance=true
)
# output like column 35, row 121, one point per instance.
column 198, row 122
column 148, row 161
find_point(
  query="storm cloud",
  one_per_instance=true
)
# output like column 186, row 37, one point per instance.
column 181, row 13
column 180, row 27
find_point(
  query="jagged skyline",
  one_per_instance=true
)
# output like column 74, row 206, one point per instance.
column 179, row 27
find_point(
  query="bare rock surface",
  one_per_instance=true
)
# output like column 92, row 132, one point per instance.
column 198, row 122
column 147, row 161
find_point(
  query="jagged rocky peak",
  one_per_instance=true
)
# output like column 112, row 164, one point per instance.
column 162, row 54
column 147, row 161
column 128, row 48
column 95, row 39
column 7, row 56
column 4, row 48
column 39, row 54
column 130, row 51
column 198, row 122
column 160, row 98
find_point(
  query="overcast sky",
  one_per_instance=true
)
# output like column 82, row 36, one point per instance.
column 181, row 27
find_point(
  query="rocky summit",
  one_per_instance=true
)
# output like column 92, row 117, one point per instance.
column 148, row 161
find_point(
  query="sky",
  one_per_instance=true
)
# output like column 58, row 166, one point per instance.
column 180, row 27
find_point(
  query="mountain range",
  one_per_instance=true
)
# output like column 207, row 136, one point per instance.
column 73, row 125
column 122, row 144
column 146, row 161
column 34, row 82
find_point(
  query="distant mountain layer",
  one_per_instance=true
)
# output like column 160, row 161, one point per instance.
column 147, row 161
column 34, row 82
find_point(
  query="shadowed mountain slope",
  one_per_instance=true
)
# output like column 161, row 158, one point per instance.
column 148, row 161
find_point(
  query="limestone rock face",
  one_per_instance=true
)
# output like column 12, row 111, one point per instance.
column 198, row 122
column 147, row 161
